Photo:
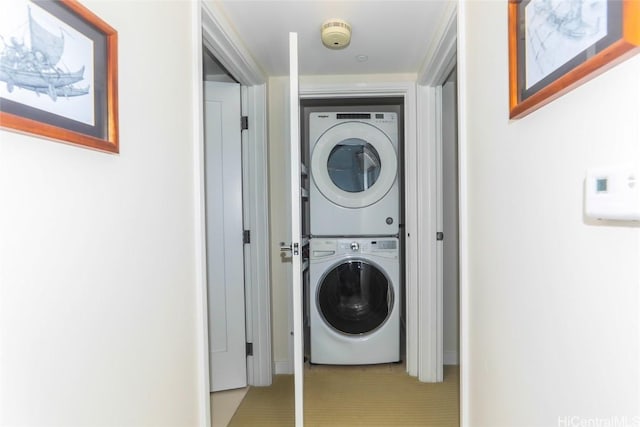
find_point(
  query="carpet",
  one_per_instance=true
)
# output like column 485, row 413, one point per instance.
column 378, row 395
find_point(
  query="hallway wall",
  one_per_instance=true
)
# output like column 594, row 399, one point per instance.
column 553, row 322
column 97, row 253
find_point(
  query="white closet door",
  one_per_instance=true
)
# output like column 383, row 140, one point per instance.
column 296, row 228
column 225, row 259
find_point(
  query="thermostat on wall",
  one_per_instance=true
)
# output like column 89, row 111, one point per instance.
column 613, row 193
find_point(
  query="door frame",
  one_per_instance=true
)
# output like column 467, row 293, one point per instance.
column 217, row 36
column 406, row 90
column 445, row 54
column 220, row 38
column 432, row 75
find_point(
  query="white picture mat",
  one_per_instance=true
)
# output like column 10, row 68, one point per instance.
column 555, row 33
column 78, row 52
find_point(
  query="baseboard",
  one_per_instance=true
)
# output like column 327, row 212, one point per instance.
column 450, row 357
column 283, row 367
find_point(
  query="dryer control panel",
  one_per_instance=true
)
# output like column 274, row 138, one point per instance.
column 386, row 117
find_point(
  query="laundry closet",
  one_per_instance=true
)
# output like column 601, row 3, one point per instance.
column 366, row 246
column 353, row 218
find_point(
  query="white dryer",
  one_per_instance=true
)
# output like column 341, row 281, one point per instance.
column 355, row 300
column 354, row 174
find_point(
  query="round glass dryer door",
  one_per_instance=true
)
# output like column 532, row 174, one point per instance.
column 355, row 298
column 354, row 164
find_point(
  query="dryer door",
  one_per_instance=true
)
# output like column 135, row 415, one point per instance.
column 355, row 298
column 354, row 164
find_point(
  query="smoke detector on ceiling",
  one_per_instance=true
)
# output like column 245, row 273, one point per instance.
column 336, row 33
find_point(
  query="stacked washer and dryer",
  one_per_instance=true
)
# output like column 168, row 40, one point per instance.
column 354, row 270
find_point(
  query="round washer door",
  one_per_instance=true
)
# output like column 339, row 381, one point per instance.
column 354, row 164
column 355, row 298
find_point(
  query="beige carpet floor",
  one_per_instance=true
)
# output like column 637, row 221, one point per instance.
column 381, row 395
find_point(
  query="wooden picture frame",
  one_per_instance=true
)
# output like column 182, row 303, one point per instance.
column 58, row 73
column 553, row 48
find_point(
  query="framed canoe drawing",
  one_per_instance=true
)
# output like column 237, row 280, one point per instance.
column 556, row 45
column 58, row 73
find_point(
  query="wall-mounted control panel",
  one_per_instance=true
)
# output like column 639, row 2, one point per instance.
column 613, row 193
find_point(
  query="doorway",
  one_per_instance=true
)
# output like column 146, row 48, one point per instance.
column 221, row 43
column 222, row 67
column 398, row 89
column 224, row 228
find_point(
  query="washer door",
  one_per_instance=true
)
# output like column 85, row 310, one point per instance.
column 355, row 298
column 354, row 164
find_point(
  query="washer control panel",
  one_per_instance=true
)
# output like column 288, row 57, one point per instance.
column 385, row 244
column 326, row 247
column 367, row 246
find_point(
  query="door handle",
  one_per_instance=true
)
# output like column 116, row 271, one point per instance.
column 287, row 248
column 284, row 247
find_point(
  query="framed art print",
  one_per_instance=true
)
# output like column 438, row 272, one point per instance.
column 556, row 45
column 58, row 73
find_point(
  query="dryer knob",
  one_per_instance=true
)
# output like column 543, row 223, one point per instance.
column 355, row 246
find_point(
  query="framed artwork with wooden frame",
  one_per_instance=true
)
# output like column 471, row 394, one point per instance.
column 58, row 73
column 557, row 45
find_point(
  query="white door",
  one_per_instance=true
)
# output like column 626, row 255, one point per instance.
column 225, row 268
column 296, row 228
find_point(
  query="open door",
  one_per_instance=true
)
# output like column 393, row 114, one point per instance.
column 225, row 262
column 296, row 228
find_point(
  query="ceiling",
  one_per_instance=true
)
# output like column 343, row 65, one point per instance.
column 394, row 35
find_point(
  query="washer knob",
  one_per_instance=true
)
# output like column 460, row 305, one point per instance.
column 355, row 246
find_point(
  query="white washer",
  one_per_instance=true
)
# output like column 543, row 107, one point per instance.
column 354, row 174
column 355, row 300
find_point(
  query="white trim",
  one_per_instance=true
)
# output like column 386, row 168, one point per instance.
column 439, row 62
column 296, row 230
column 408, row 91
column 430, row 294
column 220, row 38
column 247, row 202
column 441, row 56
column 438, row 296
column 200, row 267
column 257, row 214
column 464, row 350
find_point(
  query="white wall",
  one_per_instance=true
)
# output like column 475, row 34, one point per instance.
column 553, row 326
column 450, row 273
column 97, row 253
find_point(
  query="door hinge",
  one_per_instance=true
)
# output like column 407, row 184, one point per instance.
column 439, row 235
column 249, row 349
column 246, row 236
column 244, row 122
